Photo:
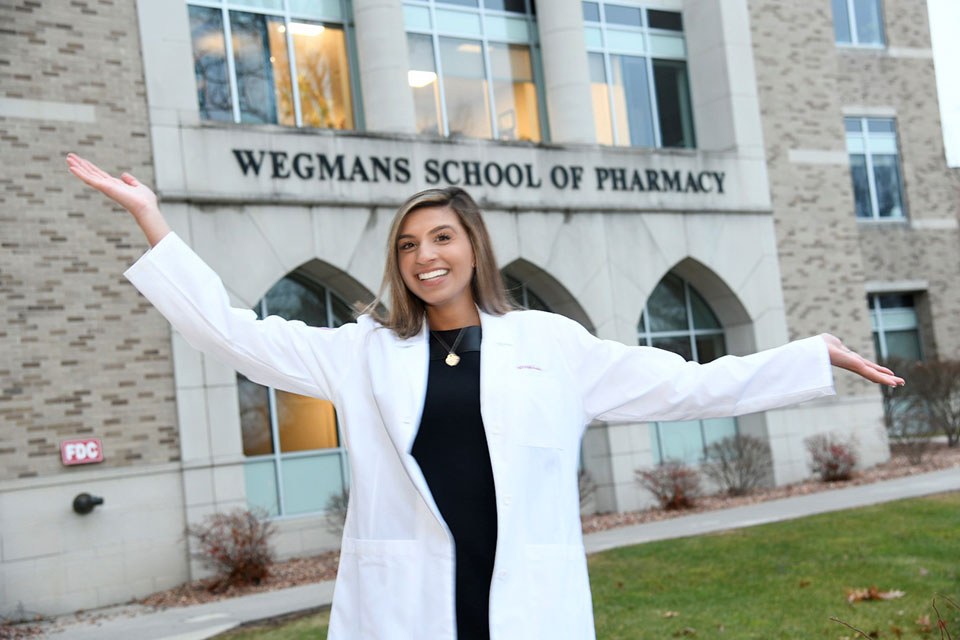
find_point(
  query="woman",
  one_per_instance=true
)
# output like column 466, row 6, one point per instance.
column 464, row 510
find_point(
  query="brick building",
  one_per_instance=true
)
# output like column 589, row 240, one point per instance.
column 709, row 176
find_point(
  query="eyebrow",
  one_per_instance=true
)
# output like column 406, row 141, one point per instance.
column 434, row 230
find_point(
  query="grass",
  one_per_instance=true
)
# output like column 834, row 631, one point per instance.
column 778, row 581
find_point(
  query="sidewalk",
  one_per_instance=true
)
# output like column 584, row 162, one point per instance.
column 207, row 620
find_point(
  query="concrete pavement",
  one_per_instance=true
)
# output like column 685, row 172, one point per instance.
column 207, row 620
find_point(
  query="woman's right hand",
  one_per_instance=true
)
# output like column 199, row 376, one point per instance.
column 127, row 191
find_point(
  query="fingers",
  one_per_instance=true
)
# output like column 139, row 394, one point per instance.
column 129, row 179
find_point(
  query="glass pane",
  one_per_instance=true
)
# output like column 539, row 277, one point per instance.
column 533, row 301
column 671, row 20
column 655, row 443
column 292, row 300
column 716, row 429
column 323, row 76
column 673, row 104
column 342, row 313
column 841, row 21
column 668, row 311
column 305, row 423
column 861, row 187
column 886, row 173
column 254, row 417
column 505, row 28
column 881, row 125
column 309, row 482
column 465, row 3
column 458, row 22
column 277, row 5
column 516, row 6
column 895, row 300
column 898, row 319
column 329, row 9
column 591, row 12
column 883, row 143
column 260, row 479
column 422, row 78
column 855, row 143
column 622, row 15
column 464, row 86
column 593, row 37
column 631, row 101
column 416, row 17
column 852, row 125
column 625, row 41
column 876, row 346
column 710, row 347
column 703, row 317
column 869, row 26
column 263, row 71
column 678, row 344
column 667, row 45
column 601, row 98
column 682, row 441
column 210, row 64
column 514, row 92
column 903, row 344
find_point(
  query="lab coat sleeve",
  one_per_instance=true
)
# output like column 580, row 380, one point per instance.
column 287, row 355
column 623, row 384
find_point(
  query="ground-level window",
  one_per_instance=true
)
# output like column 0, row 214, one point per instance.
column 896, row 334
column 474, row 68
column 295, row 459
column 677, row 318
column 875, row 167
column 858, row 22
column 246, row 54
column 638, row 75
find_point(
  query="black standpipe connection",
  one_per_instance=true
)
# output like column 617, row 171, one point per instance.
column 84, row 503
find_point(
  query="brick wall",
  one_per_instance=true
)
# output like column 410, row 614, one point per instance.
column 81, row 353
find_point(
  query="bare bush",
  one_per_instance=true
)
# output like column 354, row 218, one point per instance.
column 235, row 545
column 907, row 423
column 933, row 391
column 336, row 516
column 738, row 464
column 673, row 484
column 833, row 457
column 587, row 486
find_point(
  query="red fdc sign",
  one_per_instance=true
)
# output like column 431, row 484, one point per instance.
column 81, row 451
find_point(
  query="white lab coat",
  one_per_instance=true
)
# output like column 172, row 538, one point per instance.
column 542, row 379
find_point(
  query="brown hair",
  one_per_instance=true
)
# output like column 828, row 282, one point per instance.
column 405, row 316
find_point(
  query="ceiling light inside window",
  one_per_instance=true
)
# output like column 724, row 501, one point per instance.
column 418, row 79
column 305, row 29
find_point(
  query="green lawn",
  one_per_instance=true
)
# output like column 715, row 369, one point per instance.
column 783, row 580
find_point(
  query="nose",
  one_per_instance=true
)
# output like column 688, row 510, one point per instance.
column 425, row 253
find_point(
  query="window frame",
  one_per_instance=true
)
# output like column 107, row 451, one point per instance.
column 277, row 456
column 876, row 312
column 871, row 178
column 854, row 34
column 345, row 21
column 533, row 42
column 607, row 51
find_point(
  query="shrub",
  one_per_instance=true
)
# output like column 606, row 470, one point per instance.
column 336, row 509
column 236, row 546
column 673, row 484
column 933, row 391
column 833, row 457
column 738, row 464
column 908, row 425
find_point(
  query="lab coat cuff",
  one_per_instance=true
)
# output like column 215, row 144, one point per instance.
column 169, row 243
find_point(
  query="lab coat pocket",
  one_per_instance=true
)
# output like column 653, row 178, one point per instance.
column 555, row 575
column 375, row 578
column 535, row 398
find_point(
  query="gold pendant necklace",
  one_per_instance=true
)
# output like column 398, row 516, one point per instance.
column 452, row 359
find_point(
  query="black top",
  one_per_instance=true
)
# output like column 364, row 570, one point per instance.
column 451, row 449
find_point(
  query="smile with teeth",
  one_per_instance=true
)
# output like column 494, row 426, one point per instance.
column 433, row 275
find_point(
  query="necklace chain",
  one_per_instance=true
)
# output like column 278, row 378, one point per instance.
column 452, row 358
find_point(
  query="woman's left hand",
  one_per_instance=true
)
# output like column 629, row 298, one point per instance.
column 841, row 356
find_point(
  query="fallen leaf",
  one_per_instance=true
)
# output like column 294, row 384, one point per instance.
column 923, row 571
column 686, row 631
column 671, row 614
column 872, row 593
column 924, row 623
column 804, row 583
column 720, row 627
column 896, row 630
column 619, row 585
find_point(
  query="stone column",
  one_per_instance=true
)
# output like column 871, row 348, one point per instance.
column 383, row 64
column 565, row 72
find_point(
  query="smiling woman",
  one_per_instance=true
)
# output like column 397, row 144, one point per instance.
column 464, row 516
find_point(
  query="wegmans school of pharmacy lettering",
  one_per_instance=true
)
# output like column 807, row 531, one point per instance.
column 343, row 168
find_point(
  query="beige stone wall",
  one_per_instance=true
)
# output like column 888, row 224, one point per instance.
column 807, row 84
column 82, row 353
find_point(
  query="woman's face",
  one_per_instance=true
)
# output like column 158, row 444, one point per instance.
column 435, row 257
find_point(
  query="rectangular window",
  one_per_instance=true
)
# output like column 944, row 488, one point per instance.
column 893, row 318
column 474, row 70
column 875, row 167
column 858, row 22
column 245, row 60
column 637, row 57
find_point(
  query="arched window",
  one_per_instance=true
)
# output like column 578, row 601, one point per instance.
column 522, row 295
column 295, row 456
column 678, row 319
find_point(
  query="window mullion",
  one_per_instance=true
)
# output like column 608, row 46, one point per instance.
column 608, row 69
column 852, row 19
column 291, row 63
column 654, row 109
column 231, row 67
column 274, row 429
column 689, row 308
column 871, row 178
column 435, row 37
column 881, row 331
column 488, row 73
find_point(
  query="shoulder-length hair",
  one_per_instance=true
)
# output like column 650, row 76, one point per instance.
column 406, row 312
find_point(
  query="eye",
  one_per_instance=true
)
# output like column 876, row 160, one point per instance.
column 405, row 245
column 443, row 236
